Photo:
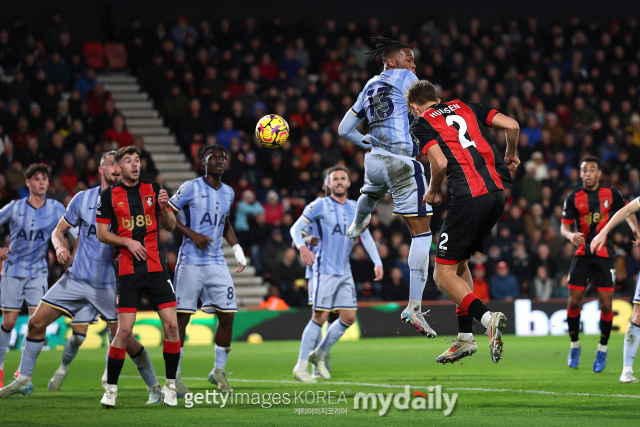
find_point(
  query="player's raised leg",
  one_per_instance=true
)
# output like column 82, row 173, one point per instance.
column 365, row 207
column 631, row 340
column 574, row 307
column 605, row 298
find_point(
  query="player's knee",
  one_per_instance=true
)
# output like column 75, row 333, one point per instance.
column 348, row 317
column 606, row 307
column 226, row 320
column 36, row 325
column 8, row 323
column 124, row 332
column 320, row 317
column 170, row 327
column 574, row 303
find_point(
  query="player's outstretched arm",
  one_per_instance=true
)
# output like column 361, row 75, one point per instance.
column 57, row 239
column 348, row 131
column 296, row 234
column 371, row 248
column 105, row 236
column 620, row 216
column 230, row 236
column 439, row 163
column 512, row 131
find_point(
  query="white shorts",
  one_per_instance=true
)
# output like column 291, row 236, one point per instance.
column 72, row 298
column 211, row 283
column 402, row 175
column 334, row 292
column 86, row 316
column 636, row 296
column 15, row 290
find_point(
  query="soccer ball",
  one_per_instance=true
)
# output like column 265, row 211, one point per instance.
column 272, row 131
column 254, row 338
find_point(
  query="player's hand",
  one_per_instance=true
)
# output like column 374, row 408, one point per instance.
column 242, row 261
column 307, row 256
column 62, row 254
column 378, row 272
column 512, row 161
column 578, row 239
column 311, row 240
column 636, row 237
column 598, row 241
column 163, row 198
column 4, row 253
column 136, row 248
column 200, row 240
column 431, row 199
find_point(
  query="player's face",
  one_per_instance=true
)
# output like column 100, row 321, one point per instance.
column 404, row 59
column 129, row 167
column 590, row 174
column 108, row 171
column 339, row 182
column 38, row 184
column 216, row 163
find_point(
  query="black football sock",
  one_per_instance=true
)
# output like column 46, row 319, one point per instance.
column 573, row 321
column 465, row 321
column 114, row 364
column 606, row 321
column 171, row 353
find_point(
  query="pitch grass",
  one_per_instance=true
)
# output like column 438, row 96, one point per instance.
column 530, row 364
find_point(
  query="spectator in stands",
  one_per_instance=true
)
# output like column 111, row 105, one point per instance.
column 87, row 82
column 175, row 106
column 227, row 133
column 77, row 136
column 272, row 251
column 193, row 122
column 289, row 277
column 503, row 286
column 246, row 209
column 542, row 284
column 97, row 99
column 273, row 209
column 63, row 118
column 395, row 287
column 57, row 71
column 118, row 133
column 536, row 167
column 561, row 290
column 480, row 285
column 182, row 29
column 21, row 136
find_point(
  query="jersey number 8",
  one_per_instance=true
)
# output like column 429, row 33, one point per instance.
column 137, row 221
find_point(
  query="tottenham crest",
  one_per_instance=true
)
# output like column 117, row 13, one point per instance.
column 149, row 200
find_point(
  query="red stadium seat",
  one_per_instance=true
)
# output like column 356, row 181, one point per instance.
column 116, row 56
column 94, row 54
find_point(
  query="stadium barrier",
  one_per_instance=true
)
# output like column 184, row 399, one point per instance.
column 525, row 318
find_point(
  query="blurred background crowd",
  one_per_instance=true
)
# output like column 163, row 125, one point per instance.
column 573, row 87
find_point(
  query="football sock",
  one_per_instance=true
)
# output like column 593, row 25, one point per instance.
column 32, row 349
column 114, row 364
column 631, row 338
column 5, row 337
column 171, row 353
column 364, row 207
column 142, row 360
column 606, row 321
column 71, row 348
column 465, row 324
column 419, row 266
column 310, row 338
column 222, row 354
column 180, row 360
column 474, row 307
column 573, row 321
column 334, row 332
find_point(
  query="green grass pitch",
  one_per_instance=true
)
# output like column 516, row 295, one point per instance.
column 515, row 396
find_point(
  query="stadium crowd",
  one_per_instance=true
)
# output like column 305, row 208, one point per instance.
column 574, row 89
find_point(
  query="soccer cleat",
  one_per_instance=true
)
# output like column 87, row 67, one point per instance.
column 170, row 395
column 16, row 387
column 417, row 320
column 155, row 394
column 109, row 397
column 496, row 325
column 318, row 362
column 355, row 230
column 1, row 376
column 459, row 349
column 181, row 389
column 600, row 362
column 219, row 377
column 304, row 377
column 104, row 379
column 327, row 359
column 56, row 381
column 16, row 374
column 627, row 375
column 314, row 372
column 574, row 357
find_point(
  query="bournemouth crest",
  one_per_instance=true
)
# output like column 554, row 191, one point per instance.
column 149, row 200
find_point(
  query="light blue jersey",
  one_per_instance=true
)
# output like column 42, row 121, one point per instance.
column 383, row 104
column 332, row 220
column 312, row 230
column 92, row 262
column 30, row 230
column 205, row 212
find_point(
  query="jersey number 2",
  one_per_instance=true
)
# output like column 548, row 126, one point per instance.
column 462, row 130
column 380, row 104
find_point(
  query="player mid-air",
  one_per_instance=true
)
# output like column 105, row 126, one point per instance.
column 88, row 286
column 391, row 166
column 454, row 137
column 202, row 271
column 590, row 208
column 632, row 336
column 25, row 264
column 334, row 289
column 128, row 216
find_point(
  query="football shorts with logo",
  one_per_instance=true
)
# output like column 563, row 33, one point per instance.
column 211, row 283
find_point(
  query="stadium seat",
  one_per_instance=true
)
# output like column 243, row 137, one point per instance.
column 94, row 54
column 116, row 56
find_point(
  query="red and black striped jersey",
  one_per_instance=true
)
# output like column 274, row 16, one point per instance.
column 591, row 210
column 133, row 212
column 475, row 167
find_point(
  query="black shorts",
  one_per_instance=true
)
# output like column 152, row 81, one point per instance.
column 156, row 285
column 467, row 225
column 599, row 271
